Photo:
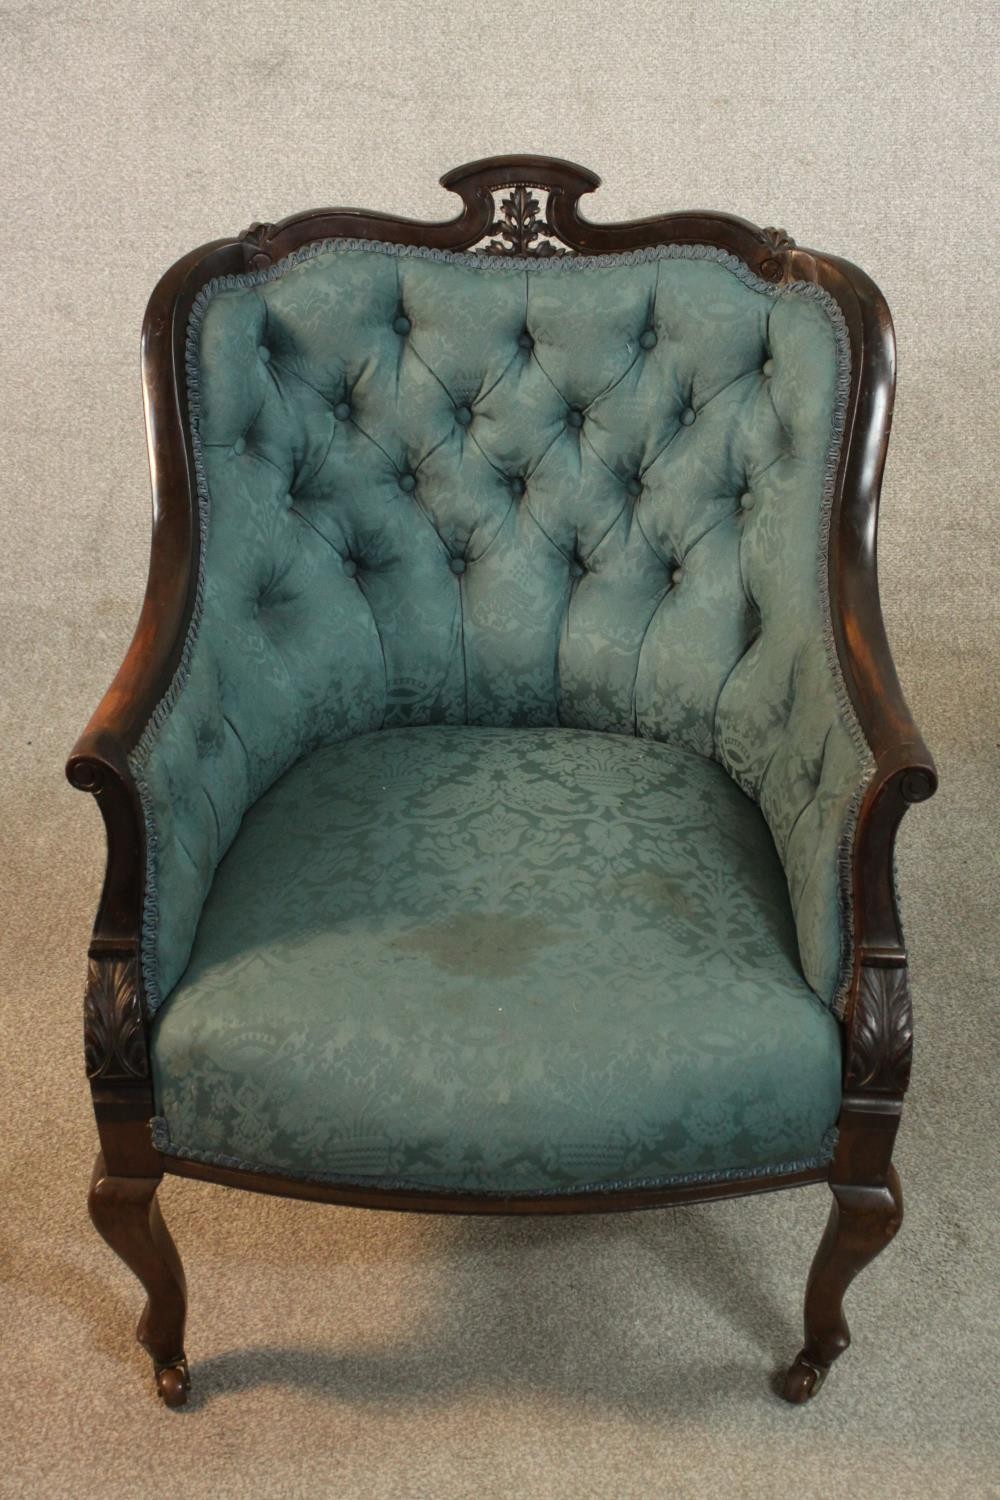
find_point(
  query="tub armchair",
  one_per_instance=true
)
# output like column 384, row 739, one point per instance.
column 501, row 786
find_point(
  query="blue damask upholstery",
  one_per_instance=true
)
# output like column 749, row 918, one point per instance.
column 444, row 490
column 517, row 960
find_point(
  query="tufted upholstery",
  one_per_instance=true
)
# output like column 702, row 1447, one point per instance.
column 444, row 490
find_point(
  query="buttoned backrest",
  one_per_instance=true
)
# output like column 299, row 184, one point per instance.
column 447, row 489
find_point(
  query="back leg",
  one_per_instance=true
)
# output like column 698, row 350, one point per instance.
column 126, row 1214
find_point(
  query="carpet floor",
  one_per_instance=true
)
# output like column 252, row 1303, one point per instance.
column 338, row 1352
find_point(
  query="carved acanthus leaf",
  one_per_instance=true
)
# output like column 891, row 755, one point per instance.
column 520, row 228
column 114, row 1040
column 778, row 239
column 881, row 1039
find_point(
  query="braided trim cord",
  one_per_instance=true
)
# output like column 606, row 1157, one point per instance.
column 160, row 1133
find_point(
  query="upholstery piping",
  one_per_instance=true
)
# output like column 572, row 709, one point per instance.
column 160, row 1133
column 513, row 265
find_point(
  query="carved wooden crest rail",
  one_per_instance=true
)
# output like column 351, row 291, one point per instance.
column 529, row 206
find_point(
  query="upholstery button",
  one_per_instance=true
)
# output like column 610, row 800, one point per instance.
column 634, row 486
column 577, row 570
column 647, row 339
column 263, row 354
column 350, row 566
column 402, row 325
column 746, row 500
column 240, row 445
column 457, row 564
column 687, row 416
column 768, row 367
column 574, row 418
column 407, row 482
column 289, row 500
column 517, row 486
column 676, row 575
column 525, row 341
column 342, row 411
column 463, row 415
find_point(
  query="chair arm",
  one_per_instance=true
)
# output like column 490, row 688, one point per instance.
column 894, row 766
column 101, row 759
column 904, row 770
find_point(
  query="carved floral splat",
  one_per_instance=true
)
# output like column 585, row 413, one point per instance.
column 520, row 227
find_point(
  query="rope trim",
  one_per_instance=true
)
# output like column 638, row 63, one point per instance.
column 139, row 757
column 160, row 1133
column 866, row 759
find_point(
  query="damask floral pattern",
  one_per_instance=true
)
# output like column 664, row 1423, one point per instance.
column 499, row 960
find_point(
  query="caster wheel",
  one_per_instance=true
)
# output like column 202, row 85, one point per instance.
column 802, row 1381
column 172, row 1384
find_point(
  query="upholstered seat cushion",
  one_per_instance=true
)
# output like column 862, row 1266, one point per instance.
column 498, row 960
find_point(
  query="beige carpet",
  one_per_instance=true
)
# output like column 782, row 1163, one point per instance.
column 349, row 1354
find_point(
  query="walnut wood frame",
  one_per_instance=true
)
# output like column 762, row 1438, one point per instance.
column 877, row 1030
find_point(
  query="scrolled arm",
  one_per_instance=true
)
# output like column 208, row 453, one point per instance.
column 876, row 1006
column 100, row 762
column 904, row 768
column 844, row 759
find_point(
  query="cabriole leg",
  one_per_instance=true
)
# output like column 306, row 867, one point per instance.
column 862, row 1222
column 126, row 1214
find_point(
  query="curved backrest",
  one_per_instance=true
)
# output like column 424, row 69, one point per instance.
column 448, row 488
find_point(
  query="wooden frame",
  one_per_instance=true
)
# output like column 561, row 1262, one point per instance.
column 877, row 1026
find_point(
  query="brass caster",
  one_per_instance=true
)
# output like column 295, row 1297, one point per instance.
column 173, row 1383
column 802, row 1381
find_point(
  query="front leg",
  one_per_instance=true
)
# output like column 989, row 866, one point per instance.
column 863, row 1220
column 126, row 1214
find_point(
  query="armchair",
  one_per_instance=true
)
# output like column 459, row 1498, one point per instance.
column 501, row 786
